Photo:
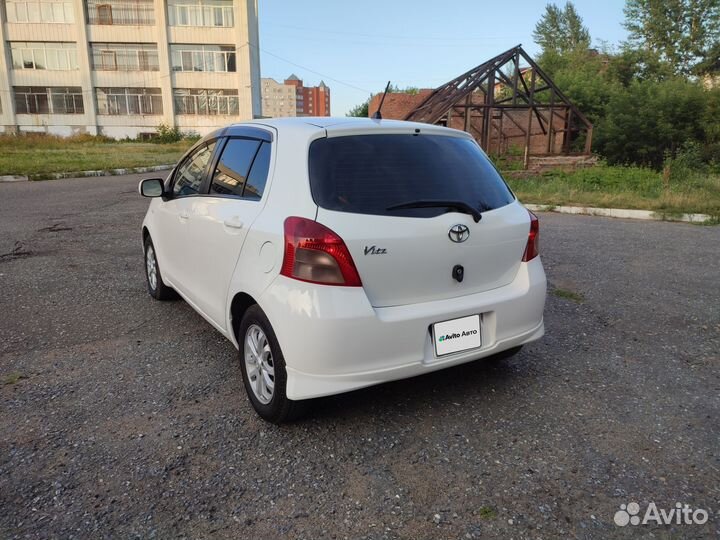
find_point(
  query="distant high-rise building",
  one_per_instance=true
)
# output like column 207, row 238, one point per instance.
column 278, row 99
column 310, row 100
column 121, row 67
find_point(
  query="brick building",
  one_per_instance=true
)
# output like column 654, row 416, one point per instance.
column 398, row 105
column 310, row 100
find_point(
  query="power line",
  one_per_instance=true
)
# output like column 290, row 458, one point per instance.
column 328, row 77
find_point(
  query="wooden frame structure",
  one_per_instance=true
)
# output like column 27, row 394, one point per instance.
column 499, row 102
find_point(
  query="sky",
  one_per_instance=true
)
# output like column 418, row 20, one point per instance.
column 356, row 47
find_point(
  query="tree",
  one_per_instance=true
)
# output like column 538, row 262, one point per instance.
column 561, row 30
column 684, row 33
column 360, row 110
column 649, row 119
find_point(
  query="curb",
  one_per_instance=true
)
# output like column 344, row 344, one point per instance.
column 82, row 174
column 647, row 215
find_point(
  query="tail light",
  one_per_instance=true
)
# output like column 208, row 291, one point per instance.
column 316, row 254
column 532, row 249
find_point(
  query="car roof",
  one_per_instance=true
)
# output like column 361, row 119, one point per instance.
column 341, row 125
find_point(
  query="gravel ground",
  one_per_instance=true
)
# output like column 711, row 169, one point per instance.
column 124, row 417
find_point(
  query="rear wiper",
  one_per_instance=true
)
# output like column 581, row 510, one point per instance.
column 459, row 206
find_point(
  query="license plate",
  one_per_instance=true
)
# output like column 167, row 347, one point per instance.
column 457, row 335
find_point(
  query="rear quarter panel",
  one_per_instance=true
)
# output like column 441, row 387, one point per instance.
column 288, row 194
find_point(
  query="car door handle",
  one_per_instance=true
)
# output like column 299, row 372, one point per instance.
column 184, row 216
column 234, row 223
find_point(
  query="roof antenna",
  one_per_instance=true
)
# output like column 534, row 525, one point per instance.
column 377, row 115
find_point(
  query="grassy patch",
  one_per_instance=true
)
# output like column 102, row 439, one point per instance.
column 623, row 187
column 46, row 154
column 487, row 512
column 13, row 378
column 570, row 295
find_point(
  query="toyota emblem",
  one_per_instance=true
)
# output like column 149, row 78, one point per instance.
column 458, row 233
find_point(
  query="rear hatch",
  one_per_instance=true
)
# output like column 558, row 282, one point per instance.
column 369, row 188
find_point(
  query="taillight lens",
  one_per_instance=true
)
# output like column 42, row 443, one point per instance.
column 316, row 254
column 532, row 249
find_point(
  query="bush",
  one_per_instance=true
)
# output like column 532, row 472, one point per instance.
column 172, row 134
column 648, row 119
column 167, row 134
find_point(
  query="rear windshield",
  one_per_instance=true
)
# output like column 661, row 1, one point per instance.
column 366, row 174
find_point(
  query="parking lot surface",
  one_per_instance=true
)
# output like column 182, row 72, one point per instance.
column 124, row 417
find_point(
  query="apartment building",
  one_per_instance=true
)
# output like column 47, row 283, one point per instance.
column 121, row 67
column 310, row 100
column 292, row 98
column 278, row 99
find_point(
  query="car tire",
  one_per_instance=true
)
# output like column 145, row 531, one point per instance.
column 155, row 285
column 262, row 361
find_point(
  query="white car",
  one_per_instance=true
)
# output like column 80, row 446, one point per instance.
column 339, row 253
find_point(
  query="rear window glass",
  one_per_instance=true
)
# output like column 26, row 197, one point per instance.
column 366, row 174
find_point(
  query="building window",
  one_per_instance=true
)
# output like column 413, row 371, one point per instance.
column 124, row 101
column 39, row 11
column 124, row 57
column 200, row 13
column 48, row 100
column 43, row 55
column 123, row 12
column 206, row 102
column 203, row 58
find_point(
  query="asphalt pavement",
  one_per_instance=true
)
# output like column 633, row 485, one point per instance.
column 123, row 417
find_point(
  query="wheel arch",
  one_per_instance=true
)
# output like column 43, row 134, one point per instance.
column 241, row 302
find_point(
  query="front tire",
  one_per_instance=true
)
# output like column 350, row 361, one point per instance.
column 155, row 285
column 263, row 369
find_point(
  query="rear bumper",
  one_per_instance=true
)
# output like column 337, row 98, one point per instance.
column 334, row 341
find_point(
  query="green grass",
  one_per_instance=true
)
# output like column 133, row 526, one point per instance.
column 44, row 154
column 487, row 512
column 569, row 295
column 13, row 378
column 624, row 187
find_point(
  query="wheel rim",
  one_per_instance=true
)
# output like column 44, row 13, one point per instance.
column 259, row 364
column 151, row 265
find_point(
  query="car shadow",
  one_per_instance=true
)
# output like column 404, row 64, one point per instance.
column 446, row 388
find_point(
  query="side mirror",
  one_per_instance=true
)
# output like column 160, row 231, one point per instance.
column 151, row 187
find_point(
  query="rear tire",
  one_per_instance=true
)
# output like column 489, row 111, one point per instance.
column 263, row 369
column 155, row 285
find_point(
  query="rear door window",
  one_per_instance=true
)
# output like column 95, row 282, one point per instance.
column 231, row 171
column 367, row 174
column 255, row 185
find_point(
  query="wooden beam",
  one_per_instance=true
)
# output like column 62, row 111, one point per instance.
column 468, row 101
column 588, row 140
column 516, row 59
column 526, row 157
column 550, row 123
column 567, row 132
column 487, row 112
column 532, row 99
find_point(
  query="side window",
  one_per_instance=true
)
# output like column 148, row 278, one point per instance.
column 190, row 173
column 233, row 166
column 255, row 184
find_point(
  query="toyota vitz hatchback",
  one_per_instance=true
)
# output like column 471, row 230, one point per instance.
column 337, row 254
